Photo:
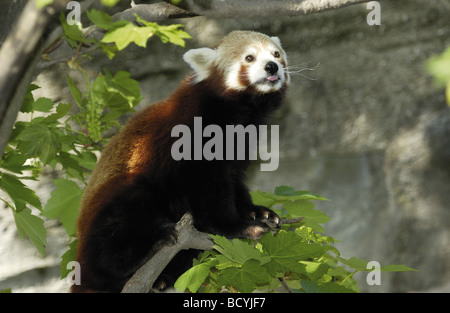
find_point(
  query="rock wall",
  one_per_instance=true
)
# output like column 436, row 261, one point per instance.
column 370, row 132
column 373, row 135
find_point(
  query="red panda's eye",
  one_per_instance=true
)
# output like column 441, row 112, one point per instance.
column 276, row 54
column 249, row 58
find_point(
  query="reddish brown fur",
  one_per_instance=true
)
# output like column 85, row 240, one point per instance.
column 130, row 153
column 243, row 76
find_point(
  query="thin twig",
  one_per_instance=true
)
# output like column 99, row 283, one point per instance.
column 285, row 286
column 291, row 220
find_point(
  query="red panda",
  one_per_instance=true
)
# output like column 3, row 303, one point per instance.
column 138, row 192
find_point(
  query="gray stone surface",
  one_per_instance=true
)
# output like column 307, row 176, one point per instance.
column 371, row 133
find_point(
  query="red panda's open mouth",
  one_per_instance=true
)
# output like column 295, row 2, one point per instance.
column 272, row 78
column 269, row 80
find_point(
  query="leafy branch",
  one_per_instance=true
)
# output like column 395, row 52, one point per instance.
column 296, row 259
column 188, row 238
column 69, row 136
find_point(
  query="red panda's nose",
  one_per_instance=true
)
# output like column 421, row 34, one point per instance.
column 271, row 67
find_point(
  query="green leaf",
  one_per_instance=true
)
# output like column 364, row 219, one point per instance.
column 124, row 34
column 315, row 270
column 14, row 162
column 43, row 105
column 68, row 256
column 119, row 93
column 71, row 165
column 39, row 140
column 122, row 84
column 87, row 160
column 61, row 110
column 104, row 20
column 42, row 3
column 314, row 287
column 31, row 226
column 109, row 50
column 27, row 104
column 305, row 208
column 76, row 93
column 285, row 191
column 238, row 250
column 127, row 34
column 109, row 3
column 439, row 67
column 18, row 192
column 447, row 93
column 289, row 244
column 247, row 278
column 397, row 268
column 100, row 19
column 357, row 264
column 167, row 33
column 18, row 128
column 291, row 196
column 72, row 33
column 260, row 198
column 287, row 249
column 64, row 204
column 193, row 278
column 361, row 265
column 173, row 34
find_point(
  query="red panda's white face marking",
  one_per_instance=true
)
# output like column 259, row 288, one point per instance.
column 262, row 66
column 247, row 60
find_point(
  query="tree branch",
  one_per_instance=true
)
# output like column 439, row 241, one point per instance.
column 188, row 238
column 153, row 12
column 17, row 58
column 234, row 8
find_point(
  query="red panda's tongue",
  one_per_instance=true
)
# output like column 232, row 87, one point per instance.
column 272, row 78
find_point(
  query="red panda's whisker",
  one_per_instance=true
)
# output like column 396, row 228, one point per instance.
column 297, row 70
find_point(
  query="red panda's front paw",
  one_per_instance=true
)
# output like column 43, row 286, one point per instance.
column 266, row 216
column 254, row 231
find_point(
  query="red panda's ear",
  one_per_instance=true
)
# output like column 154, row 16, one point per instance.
column 200, row 60
column 277, row 41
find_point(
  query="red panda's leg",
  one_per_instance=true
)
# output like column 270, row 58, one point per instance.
column 122, row 236
column 228, row 211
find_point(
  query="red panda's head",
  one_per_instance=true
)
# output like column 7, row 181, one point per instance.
column 246, row 61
